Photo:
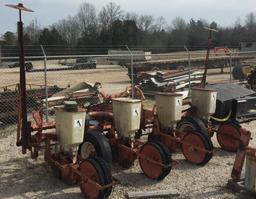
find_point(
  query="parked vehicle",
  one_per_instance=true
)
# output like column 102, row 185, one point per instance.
column 85, row 63
column 28, row 65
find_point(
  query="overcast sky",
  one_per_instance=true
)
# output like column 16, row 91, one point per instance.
column 224, row 12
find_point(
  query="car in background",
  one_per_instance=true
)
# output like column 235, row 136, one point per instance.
column 28, row 65
column 85, row 63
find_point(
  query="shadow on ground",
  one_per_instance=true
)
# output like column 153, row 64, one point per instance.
column 20, row 178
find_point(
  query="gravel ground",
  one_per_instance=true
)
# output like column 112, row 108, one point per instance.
column 22, row 177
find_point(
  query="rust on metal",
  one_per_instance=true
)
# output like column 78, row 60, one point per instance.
column 25, row 133
column 240, row 155
column 228, row 137
column 203, row 82
column 19, row 6
column 193, row 148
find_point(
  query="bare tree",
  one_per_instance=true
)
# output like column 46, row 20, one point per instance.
column 131, row 16
column 250, row 25
column 145, row 22
column 160, row 24
column 179, row 24
column 33, row 30
column 87, row 18
column 178, row 34
column 250, row 21
column 109, row 14
column 69, row 29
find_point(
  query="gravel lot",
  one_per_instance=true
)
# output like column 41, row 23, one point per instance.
column 24, row 178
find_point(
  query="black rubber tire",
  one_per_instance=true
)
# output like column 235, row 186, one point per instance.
column 197, row 123
column 107, row 174
column 164, row 157
column 168, row 156
column 208, row 147
column 207, row 137
column 101, row 175
column 100, row 143
column 199, row 126
column 28, row 66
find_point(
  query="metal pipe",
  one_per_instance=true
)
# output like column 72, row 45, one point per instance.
column 132, row 75
column 207, row 55
column 189, row 70
column 24, row 131
column 45, row 83
column 230, row 65
column 206, row 60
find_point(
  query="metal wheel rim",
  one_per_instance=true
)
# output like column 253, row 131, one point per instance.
column 151, row 169
column 192, row 154
column 89, row 190
column 228, row 137
column 87, row 150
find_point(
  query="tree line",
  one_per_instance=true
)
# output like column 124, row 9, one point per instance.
column 114, row 27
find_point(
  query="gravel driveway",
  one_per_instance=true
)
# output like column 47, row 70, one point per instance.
column 24, row 178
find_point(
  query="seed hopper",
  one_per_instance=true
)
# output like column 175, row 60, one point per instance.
column 159, row 124
column 180, row 123
column 111, row 135
column 202, row 105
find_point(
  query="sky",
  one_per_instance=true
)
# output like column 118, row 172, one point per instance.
column 224, row 12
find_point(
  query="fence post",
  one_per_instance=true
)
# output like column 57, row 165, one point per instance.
column 45, row 83
column 189, row 70
column 230, row 65
column 132, row 75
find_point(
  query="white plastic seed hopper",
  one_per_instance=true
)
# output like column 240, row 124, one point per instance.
column 69, row 127
column 127, row 114
column 204, row 100
column 169, row 108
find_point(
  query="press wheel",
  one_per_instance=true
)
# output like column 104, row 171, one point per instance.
column 92, row 169
column 195, row 148
column 190, row 123
column 154, row 151
column 107, row 174
column 95, row 144
column 228, row 137
column 168, row 159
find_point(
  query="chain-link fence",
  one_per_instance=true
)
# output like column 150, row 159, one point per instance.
column 52, row 69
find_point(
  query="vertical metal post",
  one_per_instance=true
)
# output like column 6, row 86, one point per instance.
column 132, row 75
column 207, row 59
column 189, row 70
column 0, row 55
column 230, row 66
column 210, row 30
column 45, row 83
column 24, row 131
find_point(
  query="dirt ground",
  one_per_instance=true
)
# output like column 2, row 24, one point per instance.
column 21, row 177
column 24, row 178
column 112, row 77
